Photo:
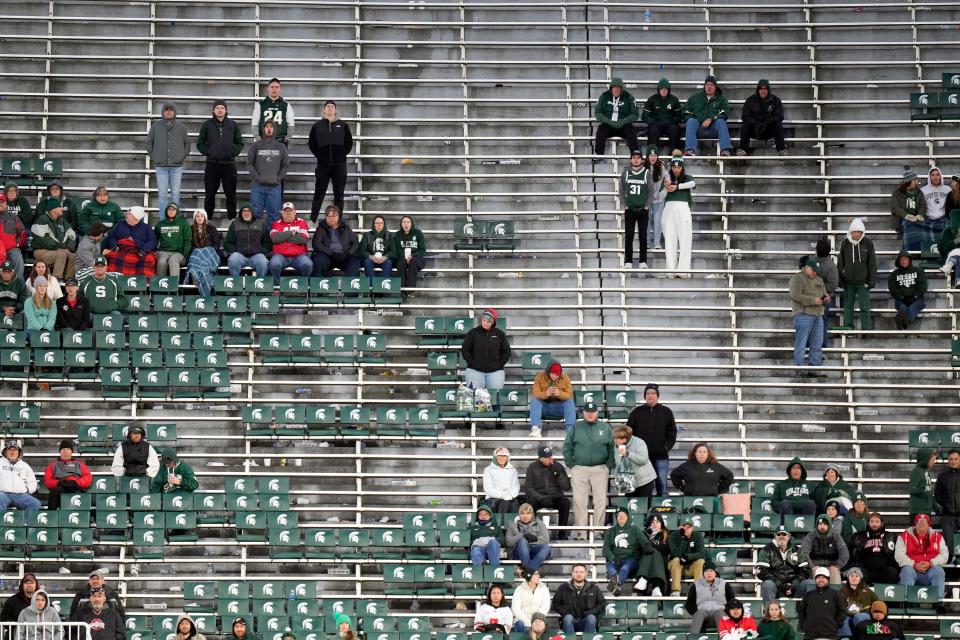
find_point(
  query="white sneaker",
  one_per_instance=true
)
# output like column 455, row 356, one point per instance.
column 947, row 268
column 63, row 571
column 655, row 592
column 641, row 584
column 643, row 265
column 536, row 432
column 628, row 265
column 657, row 247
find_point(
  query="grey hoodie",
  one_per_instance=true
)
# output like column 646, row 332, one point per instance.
column 168, row 142
column 42, row 625
column 193, row 635
column 936, row 197
column 267, row 161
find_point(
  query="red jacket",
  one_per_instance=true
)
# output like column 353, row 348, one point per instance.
column 84, row 481
column 910, row 549
column 730, row 629
column 285, row 247
column 12, row 232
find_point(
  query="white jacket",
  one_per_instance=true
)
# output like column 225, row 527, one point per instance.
column 486, row 613
column 153, row 463
column 526, row 602
column 501, row 483
column 17, row 477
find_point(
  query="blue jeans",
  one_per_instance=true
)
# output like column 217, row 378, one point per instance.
column 490, row 553
column 168, row 180
column 655, row 225
column 717, row 129
column 386, row 267
column 265, row 197
column 531, row 556
column 23, row 501
column 481, row 380
column 623, row 569
column 586, row 624
column 933, row 577
column 826, row 320
column 238, row 261
column 911, row 310
column 278, row 263
column 662, row 467
column 565, row 409
column 846, row 628
column 808, row 332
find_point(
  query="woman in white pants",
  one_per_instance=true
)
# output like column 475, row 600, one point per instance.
column 677, row 221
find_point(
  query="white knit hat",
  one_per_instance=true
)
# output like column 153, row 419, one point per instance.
column 138, row 212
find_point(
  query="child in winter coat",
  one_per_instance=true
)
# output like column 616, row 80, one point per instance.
column 774, row 625
column 736, row 624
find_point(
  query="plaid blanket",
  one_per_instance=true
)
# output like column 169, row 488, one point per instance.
column 127, row 260
column 917, row 235
column 202, row 266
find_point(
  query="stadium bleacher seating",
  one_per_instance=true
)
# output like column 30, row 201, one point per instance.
column 321, row 422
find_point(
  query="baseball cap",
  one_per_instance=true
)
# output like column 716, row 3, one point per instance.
column 590, row 406
column 100, row 260
column 545, row 452
column 6, row 266
column 96, row 572
column 288, row 205
column 71, row 282
column 821, row 571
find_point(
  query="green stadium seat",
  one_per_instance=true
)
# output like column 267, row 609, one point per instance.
column 168, row 303
column 764, row 522
column 18, row 170
column 355, row 290
column 354, row 544
column 385, row 291
column 319, row 543
column 468, row 236
column 391, row 421
column 925, row 106
column 355, row 421
column 338, row 348
column 372, row 348
column 47, row 169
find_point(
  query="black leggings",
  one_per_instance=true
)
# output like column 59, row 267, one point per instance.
column 634, row 218
column 643, row 492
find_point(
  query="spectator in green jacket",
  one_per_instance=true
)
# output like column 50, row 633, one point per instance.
column 661, row 113
column 687, row 554
column 55, row 195
column 18, row 204
column 949, row 245
column 833, row 487
column 54, row 242
column 856, row 519
column 13, row 292
column 487, row 537
column 907, row 284
column 616, row 111
column 629, row 553
column 174, row 241
column 920, row 486
column 410, row 249
column 103, row 291
column 588, row 452
column 634, row 193
column 857, row 264
column 376, row 248
column 909, row 206
column 794, row 494
column 706, row 113
column 100, row 209
column 175, row 476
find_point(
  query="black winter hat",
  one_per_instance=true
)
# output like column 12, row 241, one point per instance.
column 823, row 248
column 710, row 78
column 652, row 387
column 66, row 444
column 219, row 102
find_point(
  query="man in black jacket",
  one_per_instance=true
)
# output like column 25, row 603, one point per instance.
column 330, row 141
column 221, row 142
column 73, row 310
column 822, row 609
column 783, row 568
column 653, row 423
column 947, row 494
column 544, row 484
column 335, row 245
column 762, row 120
column 20, row 600
column 579, row 603
column 96, row 583
column 106, row 623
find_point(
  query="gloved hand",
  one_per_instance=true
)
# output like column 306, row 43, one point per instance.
column 529, row 537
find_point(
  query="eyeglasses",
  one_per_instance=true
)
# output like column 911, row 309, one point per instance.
column 782, row 534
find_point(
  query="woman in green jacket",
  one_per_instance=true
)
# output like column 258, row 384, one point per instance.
column 409, row 249
column 920, row 486
column 174, row 241
column 376, row 249
column 100, row 209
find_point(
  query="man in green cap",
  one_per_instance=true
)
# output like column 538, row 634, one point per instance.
column 661, row 113
column 616, row 111
column 687, row 554
column 808, row 295
column 762, row 119
column 174, row 476
column 588, row 452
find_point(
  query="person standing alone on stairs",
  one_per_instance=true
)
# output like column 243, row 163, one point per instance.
column 330, row 142
column 634, row 193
